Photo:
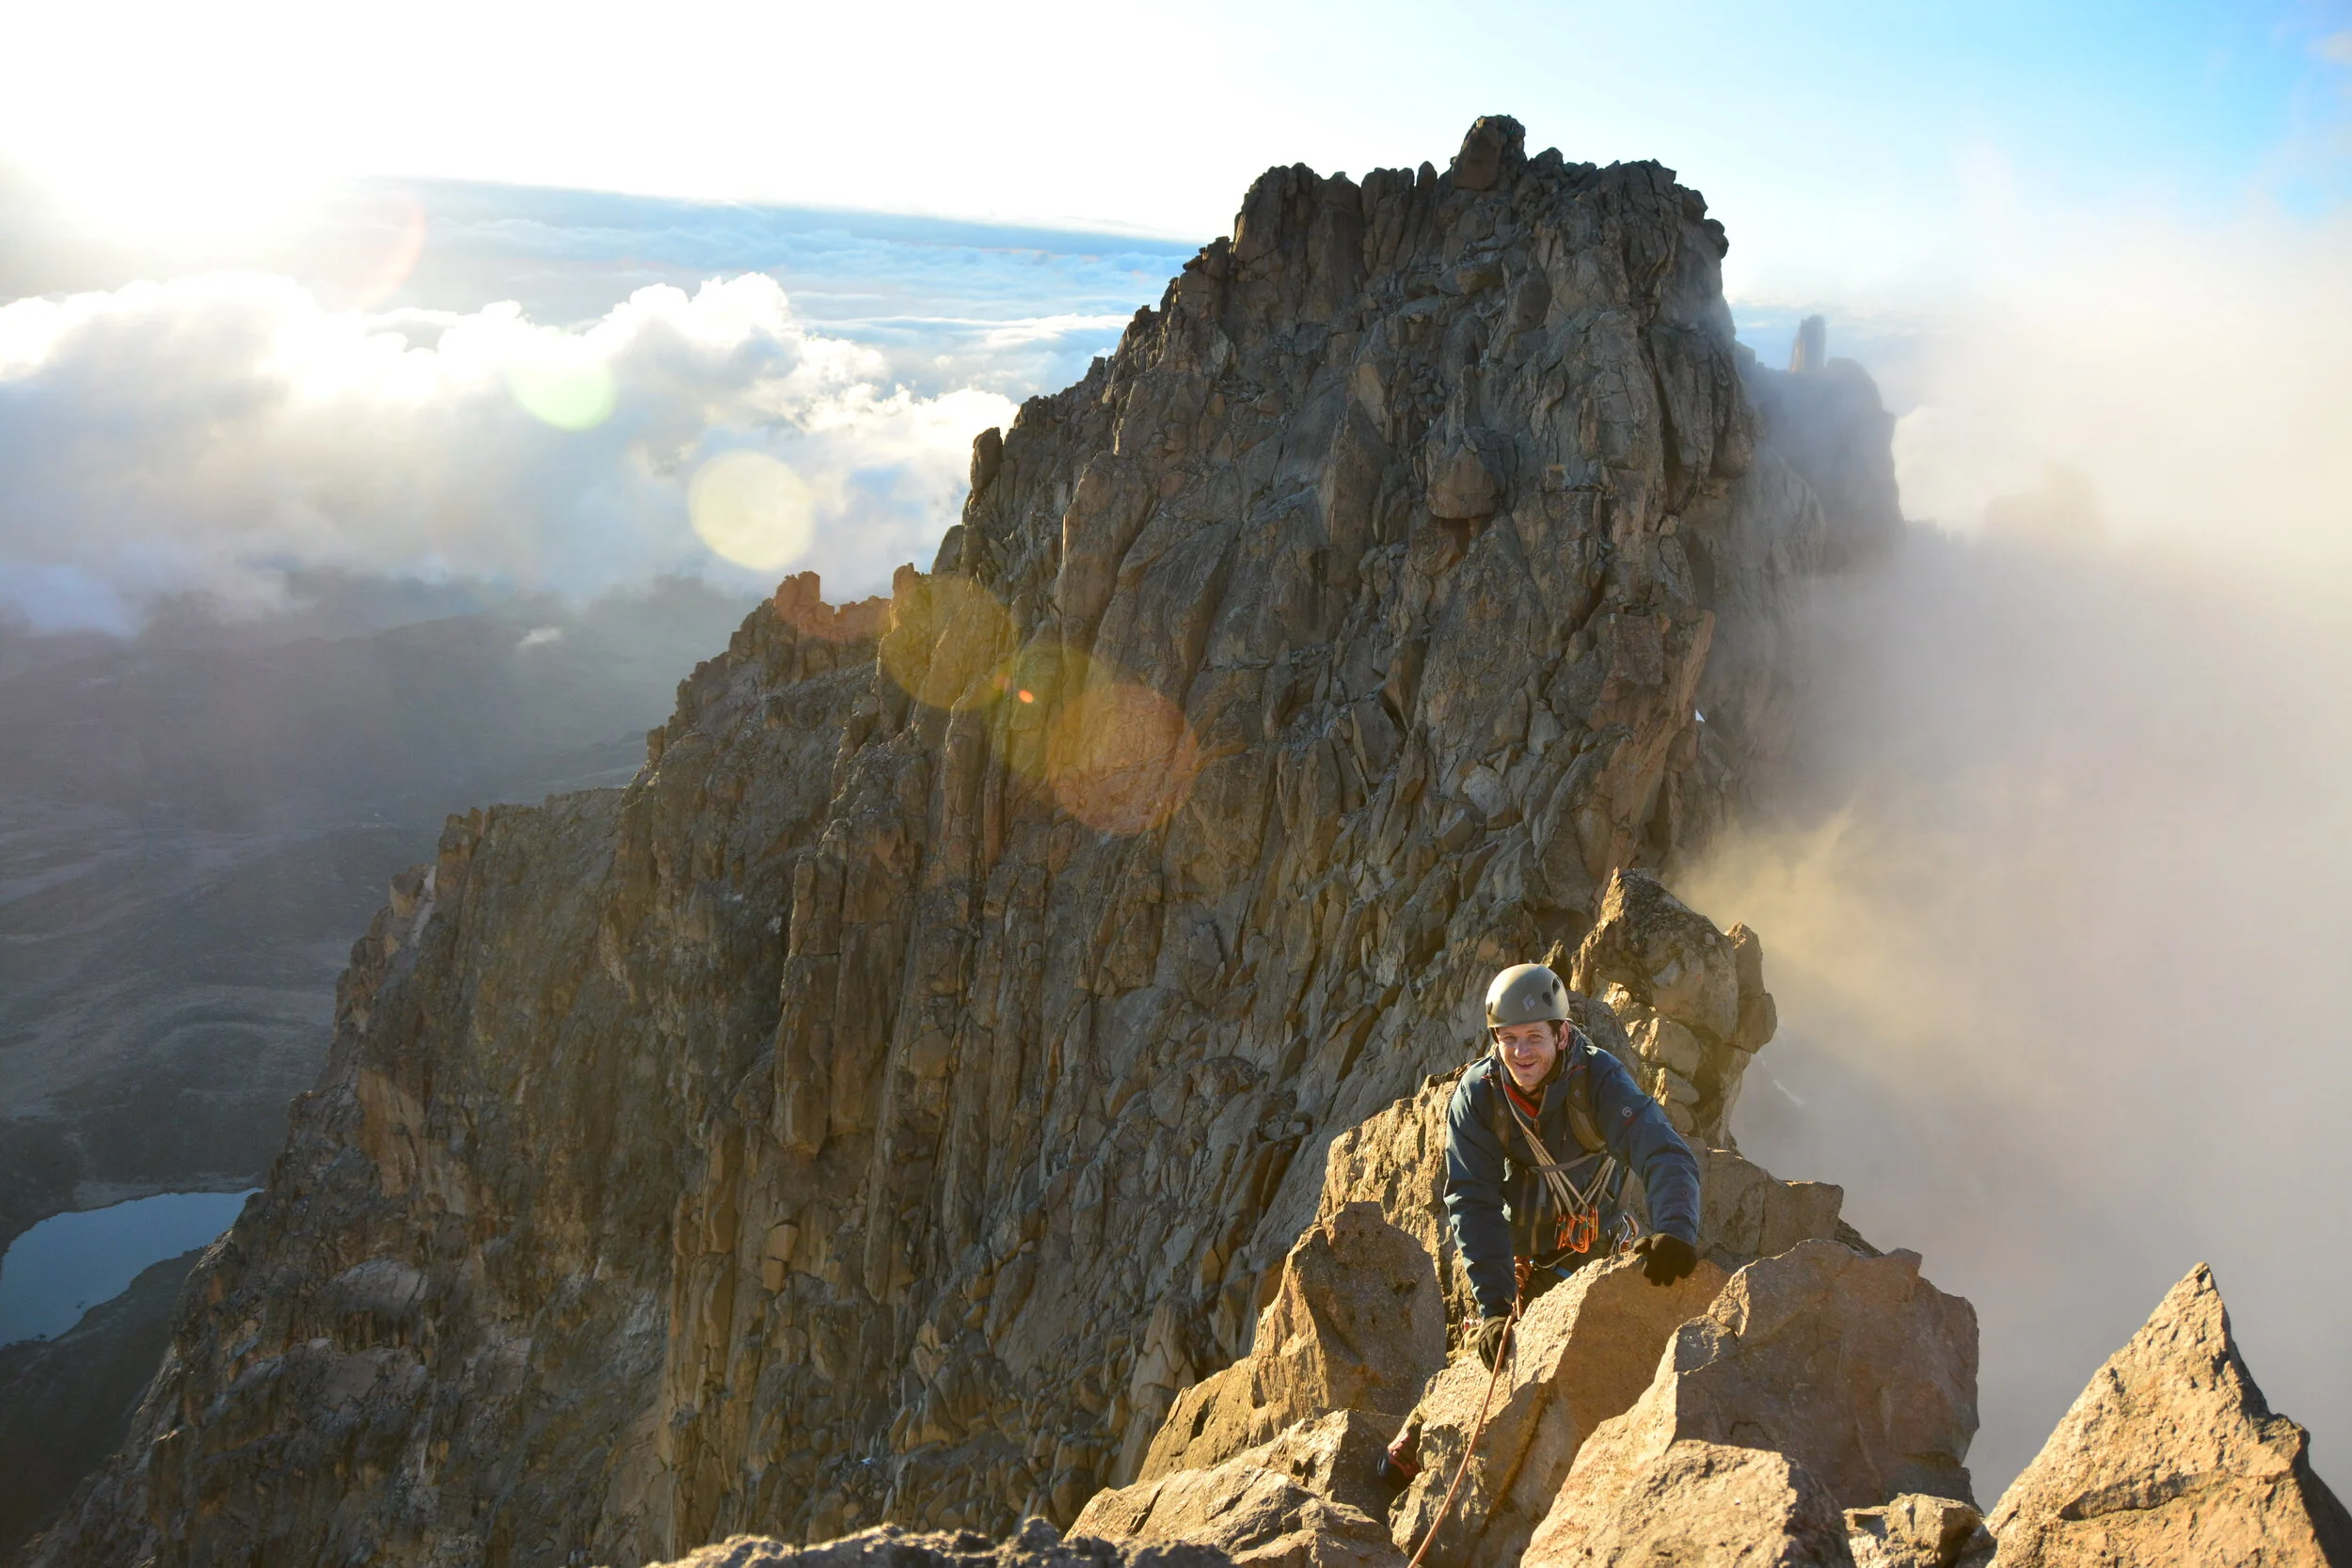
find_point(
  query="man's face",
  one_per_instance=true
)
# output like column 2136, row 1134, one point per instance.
column 1528, row 1050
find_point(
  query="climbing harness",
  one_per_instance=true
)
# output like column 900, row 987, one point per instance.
column 1576, row 1208
column 1579, row 1230
column 1494, row 1375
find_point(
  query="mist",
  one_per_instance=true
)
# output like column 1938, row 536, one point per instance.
column 2052, row 887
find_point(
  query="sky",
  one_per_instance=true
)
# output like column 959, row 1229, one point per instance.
column 337, row 275
column 1837, row 140
column 571, row 301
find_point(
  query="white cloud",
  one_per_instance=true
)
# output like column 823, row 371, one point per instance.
column 216, row 432
column 2198, row 379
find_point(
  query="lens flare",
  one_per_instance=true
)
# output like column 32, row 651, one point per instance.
column 751, row 510
column 1029, row 688
column 948, row 643
column 376, row 275
column 564, row 384
column 1121, row 757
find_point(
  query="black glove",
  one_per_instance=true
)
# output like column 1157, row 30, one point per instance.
column 1490, row 1337
column 1665, row 1259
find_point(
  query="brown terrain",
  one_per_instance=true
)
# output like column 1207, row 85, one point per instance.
column 983, row 1076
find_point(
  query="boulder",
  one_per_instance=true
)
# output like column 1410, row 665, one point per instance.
column 1745, row 1212
column 1306, row 1498
column 1586, row 1351
column 1395, row 1158
column 1917, row 1531
column 1692, row 998
column 1690, row 1504
column 2172, row 1455
column 1495, row 145
column 1358, row 1323
column 1857, row 1375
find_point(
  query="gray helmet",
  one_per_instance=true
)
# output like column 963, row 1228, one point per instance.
column 1526, row 993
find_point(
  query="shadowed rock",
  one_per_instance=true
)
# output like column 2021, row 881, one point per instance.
column 1692, row 998
column 2172, row 1455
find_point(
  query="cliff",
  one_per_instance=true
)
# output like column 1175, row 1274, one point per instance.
column 888, row 1102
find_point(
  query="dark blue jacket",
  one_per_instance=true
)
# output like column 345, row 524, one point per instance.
column 1491, row 1192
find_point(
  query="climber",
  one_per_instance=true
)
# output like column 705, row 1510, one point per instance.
column 1539, row 1137
column 1538, row 1140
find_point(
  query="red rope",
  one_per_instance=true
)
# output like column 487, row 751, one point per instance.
column 1503, row 1356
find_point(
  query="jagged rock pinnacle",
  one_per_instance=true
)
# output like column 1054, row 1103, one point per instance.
column 883, row 1107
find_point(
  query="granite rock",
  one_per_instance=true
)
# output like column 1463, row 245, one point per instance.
column 1308, row 1498
column 2171, row 1454
column 1357, row 1325
column 1690, row 998
column 885, row 1106
column 1844, row 1380
column 1688, row 1503
column 1917, row 1531
column 1583, row 1352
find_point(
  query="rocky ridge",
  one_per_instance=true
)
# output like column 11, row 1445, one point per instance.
column 911, row 1088
column 1814, row 1415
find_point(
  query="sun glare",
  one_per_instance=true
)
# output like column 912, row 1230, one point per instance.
column 147, row 191
column 751, row 510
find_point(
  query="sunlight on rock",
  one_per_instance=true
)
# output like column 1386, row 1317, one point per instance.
column 1121, row 758
column 947, row 636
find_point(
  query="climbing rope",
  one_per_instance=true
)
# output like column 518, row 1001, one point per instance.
column 1502, row 1359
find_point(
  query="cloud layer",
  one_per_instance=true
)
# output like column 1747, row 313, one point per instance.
column 2051, row 896
column 215, row 433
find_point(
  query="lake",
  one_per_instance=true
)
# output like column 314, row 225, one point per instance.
column 69, row 1264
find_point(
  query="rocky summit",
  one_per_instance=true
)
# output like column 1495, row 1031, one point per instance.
column 985, row 1075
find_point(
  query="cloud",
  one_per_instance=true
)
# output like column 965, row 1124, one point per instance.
column 2198, row 379
column 216, row 434
column 2050, row 891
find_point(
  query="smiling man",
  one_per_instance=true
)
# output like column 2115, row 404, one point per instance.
column 1539, row 1137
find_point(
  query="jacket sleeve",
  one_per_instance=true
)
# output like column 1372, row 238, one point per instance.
column 1473, row 1202
column 1638, row 1134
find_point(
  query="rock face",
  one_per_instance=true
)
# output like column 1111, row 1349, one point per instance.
column 1358, row 1323
column 888, row 1102
column 1818, row 1381
column 1585, row 1352
column 1692, row 1502
column 66, row 1402
column 1827, row 417
column 2171, row 1455
column 1308, row 1497
column 1692, row 999
column 1917, row 1531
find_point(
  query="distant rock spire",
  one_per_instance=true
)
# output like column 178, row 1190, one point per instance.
column 1810, row 352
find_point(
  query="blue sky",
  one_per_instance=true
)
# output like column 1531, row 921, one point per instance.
column 1843, row 143
column 2023, row 219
